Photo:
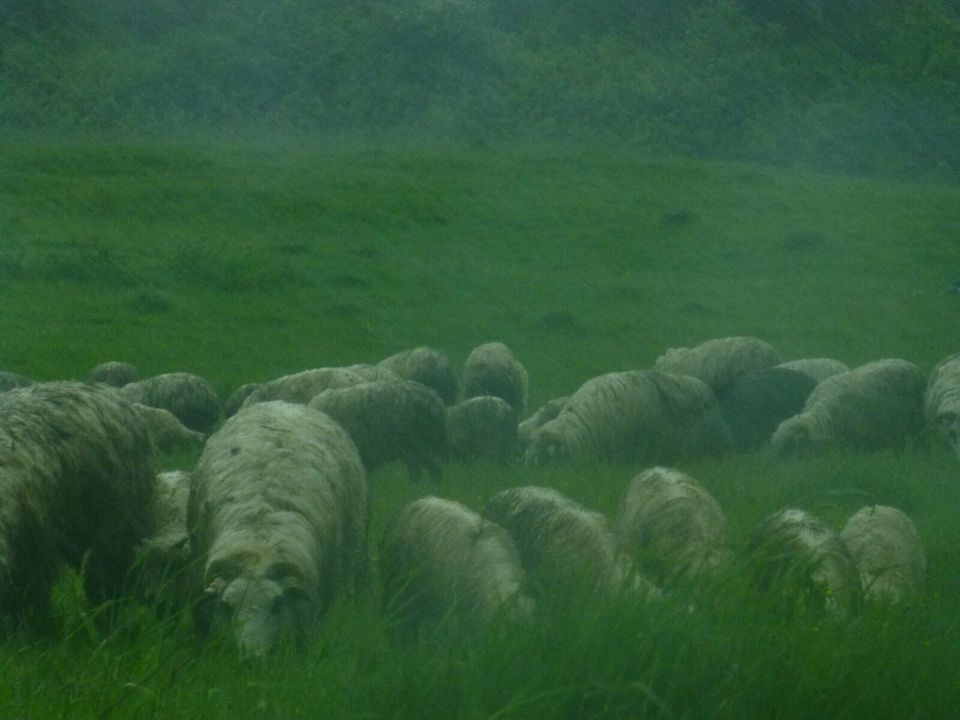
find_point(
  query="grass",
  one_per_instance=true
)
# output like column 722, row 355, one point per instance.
column 244, row 261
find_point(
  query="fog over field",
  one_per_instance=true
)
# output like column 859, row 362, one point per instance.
column 221, row 194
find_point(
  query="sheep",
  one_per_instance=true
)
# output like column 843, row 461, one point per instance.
column 440, row 561
column 190, row 397
column 168, row 433
column 942, row 401
column 673, row 527
column 76, row 486
column 888, row 553
column 493, row 369
column 11, row 380
column 754, row 405
column 163, row 558
column 634, row 415
column 301, row 387
column 874, row 406
column 482, row 427
column 547, row 412
column 236, row 399
column 426, row 365
column 807, row 561
column 817, row 368
column 390, row 420
column 114, row 373
column 277, row 518
column 720, row 361
column 565, row 549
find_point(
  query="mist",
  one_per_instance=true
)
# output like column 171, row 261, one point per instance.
column 861, row 87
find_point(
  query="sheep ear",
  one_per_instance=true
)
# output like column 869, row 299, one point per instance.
column 216, row 587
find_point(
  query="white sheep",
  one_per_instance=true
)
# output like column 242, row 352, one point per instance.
column 114, row 373
column 390, row 420
column 166, row 431
column 493, row 369
column 482, row 427
column 277, row 520
column 426, row 365
column 888, row 552
column 942, row 401
column 673, row 527
column 817, row 368
column 876, row 405
column 805, row 563
column 301, row 387
column 440, row 561
column 236, row 399
column 720, row 361
column 637, row 415
column 528, row 427
column 190, row 397
column 566, row 549
column 76, row 486
column 163, row 559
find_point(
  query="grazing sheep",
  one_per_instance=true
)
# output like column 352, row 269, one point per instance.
column 547, row 412
column 888, row 553
column 637, row 415
column 720, row 361
column 493, row 369
column 673, row 526
column 168, row 433
column 806, row 561
column 190, row 397
column 301, row 387
column 76, row 486
column 754, row 405
column 942, row 401
column 565, row 549
column 236, row 399
column 277, row 520
column 11, row 380
column 163, row 559
column 874, row 406
column 482, row 427
column 817, row 368
column 114, row 373
column 390, row 420
column 425, row 365
column 439, row 561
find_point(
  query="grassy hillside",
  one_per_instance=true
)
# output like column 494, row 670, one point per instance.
column 243, row 261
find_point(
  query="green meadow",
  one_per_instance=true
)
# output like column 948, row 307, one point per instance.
column 244, row 259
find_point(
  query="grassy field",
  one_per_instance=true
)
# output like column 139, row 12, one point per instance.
column 241, row 261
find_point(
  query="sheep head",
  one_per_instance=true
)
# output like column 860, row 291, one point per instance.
column 259, row 602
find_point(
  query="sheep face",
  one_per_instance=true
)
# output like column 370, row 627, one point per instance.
column 259, row 607
column 547, row 448
column 949, row 426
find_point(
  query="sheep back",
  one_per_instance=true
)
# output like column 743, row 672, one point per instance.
column 817, row 368
column 301, row 387
column 440, row 560
column 720, row 361
column 114, row 373
column 482, row 427
column 806, row 560
column 390, row 420
column 753, row 405
column 942, row 401
column 493, row 369
column 672, row 526
column 77, row 484
column 876, row 405
column 888, row 553
column 190, row 397
column 426, row 365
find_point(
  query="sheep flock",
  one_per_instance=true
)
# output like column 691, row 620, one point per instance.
column 270, row 526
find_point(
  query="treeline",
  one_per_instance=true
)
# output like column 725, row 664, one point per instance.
column 857, row 85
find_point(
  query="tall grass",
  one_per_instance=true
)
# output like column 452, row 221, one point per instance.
column 242, row 262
